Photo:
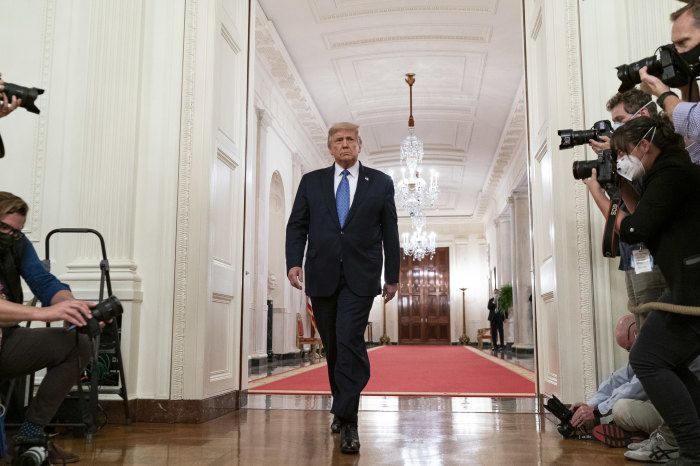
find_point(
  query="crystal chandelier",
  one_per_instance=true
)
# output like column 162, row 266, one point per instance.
column 419, row 244
column 413, row 193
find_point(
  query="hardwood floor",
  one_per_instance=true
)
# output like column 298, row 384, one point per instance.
column 282, row 430
column 302, row 437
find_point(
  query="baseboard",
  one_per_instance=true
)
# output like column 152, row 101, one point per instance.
column 175, row 411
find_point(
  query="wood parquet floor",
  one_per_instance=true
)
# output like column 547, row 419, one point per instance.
column 279, row 437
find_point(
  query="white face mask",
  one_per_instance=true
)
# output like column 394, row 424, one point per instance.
column 630, row 167
column 616, row 125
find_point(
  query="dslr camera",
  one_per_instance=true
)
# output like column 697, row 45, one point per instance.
column 666, row 64
column 605, row 165
column 556, row 407
column 103, row 311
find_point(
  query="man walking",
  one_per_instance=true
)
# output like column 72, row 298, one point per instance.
column 346, row 214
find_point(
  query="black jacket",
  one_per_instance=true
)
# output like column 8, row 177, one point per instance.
column 667, row 219
column 370, row 229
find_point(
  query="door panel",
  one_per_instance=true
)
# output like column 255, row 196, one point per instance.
column 424, row 303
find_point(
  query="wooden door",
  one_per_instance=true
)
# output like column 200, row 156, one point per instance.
column 424, row 300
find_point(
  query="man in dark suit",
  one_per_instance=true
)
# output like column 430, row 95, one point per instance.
column 347, row 215
column 496, row 318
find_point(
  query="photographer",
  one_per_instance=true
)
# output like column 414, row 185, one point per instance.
column 684, row 111
column 666, row 218
column 642, row 286
column 7, row 105
column 24, row 350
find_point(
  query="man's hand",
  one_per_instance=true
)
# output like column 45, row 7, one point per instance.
column 651, row 84
column 296, row 277
column 582, row 414
column 74, row 311
column 389, row 291
column 7, row 106
column 598, row 146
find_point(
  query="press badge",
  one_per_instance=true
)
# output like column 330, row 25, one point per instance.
column 642, row 261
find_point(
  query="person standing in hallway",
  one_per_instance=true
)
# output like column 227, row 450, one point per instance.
column 346, row 215
column 496, row 318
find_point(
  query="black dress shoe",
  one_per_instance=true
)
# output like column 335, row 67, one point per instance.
column 349, row 439
column 335, row 425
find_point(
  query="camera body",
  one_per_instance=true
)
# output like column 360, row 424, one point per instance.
column 605, row 166
column 666, row 64
column 556, row 407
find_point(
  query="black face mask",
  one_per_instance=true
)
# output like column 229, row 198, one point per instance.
column 692, row 57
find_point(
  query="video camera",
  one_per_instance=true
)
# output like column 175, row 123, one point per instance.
column 666, row 64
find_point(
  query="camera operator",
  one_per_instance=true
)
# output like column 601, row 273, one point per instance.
column 684, row 110
column 7, row 105
column 24, row 350
column 666, row 218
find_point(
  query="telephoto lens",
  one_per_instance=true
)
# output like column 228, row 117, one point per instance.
column 27, row 94
column 33, row 456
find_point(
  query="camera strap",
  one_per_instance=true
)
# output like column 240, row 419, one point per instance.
column 611, row 240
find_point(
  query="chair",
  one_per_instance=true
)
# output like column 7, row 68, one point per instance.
column 314, row 342
column 483, row 334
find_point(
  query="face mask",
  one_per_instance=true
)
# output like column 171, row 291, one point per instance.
column 692, row 56
column 616, row 125
column 630, row 167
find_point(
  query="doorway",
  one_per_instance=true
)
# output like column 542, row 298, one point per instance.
column 424, row 300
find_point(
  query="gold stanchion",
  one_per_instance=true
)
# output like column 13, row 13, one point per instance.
column 384, row 340
column 464, row 339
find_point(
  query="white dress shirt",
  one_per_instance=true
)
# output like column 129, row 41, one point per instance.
column 352, row 179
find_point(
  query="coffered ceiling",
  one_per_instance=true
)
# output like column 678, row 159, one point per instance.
column 351, row 57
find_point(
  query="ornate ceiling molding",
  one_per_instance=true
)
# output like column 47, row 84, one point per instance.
column 511, row 141
column 270, row 49
column 326, row 10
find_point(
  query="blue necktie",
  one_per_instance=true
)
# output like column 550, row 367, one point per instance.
column 342, row 197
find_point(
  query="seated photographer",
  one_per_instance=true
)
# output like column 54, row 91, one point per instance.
column 7, row 105
column 684, row 110
column 666, row 217
column 24, row 350
column 622, row 396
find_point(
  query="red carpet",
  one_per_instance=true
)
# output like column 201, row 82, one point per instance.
column 415, row 370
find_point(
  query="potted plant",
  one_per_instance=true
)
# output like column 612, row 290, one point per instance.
column 505, row 299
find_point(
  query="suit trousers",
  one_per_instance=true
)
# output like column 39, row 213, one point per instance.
column 341, row 320
column 63, row 354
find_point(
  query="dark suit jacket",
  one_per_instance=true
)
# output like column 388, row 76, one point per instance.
column 371, row 225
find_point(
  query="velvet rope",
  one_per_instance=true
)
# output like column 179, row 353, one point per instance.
column 675, row 308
